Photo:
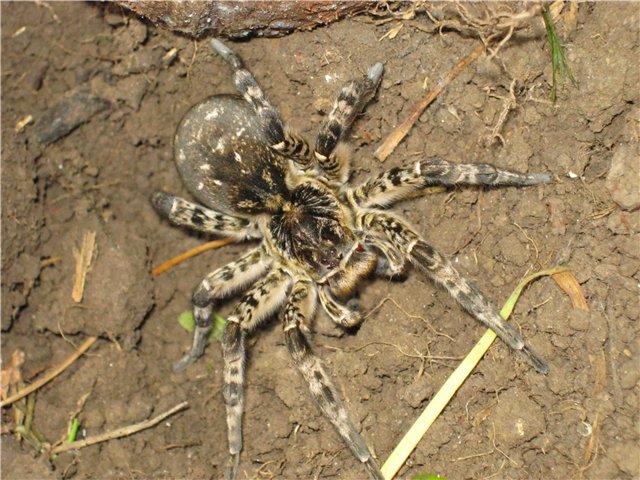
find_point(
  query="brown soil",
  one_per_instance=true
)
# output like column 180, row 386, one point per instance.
column 109, row 77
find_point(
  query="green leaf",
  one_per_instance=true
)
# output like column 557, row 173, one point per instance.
column 218, row 327
column 186, row 321
column 427, row 476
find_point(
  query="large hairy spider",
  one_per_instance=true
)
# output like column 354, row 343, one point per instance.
column 319, row 236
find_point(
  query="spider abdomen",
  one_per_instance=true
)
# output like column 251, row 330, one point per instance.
column 225, row 159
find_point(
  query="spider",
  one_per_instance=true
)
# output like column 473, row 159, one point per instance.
column 319, row 236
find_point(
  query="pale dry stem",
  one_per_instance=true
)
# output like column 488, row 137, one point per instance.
column 83, row 259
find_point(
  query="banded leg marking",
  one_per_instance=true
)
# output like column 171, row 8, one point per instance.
column 282, row 140
column 234, row 355
column 392, row 262
column 217, row 285
column 265, row 297
column 441, row 270
column 298, row 310
column 351, row 100
column 187, row 214
column 339, row 313
column 401, row 182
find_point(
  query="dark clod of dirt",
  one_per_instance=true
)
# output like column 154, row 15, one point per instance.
column 74, row 109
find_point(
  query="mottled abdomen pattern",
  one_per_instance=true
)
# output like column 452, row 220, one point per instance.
column 225, row 160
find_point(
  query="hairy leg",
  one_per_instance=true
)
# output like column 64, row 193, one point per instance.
column 392, row 262
column 197, row 217
column 281, row 139
column 351, row 100
column 216, row 286
column 441, row 270
column 400, row 182
column 264, row 298
column 297, row 312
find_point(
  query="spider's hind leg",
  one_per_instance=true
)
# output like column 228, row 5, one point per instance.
column 280, row 138
column 197, row 217
column 352, row 98
column 297, row 312
column 217, row 285
column 265, row 297
column 441, row 270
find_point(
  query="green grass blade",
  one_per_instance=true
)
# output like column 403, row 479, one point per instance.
column 73, row 431
column 441, row 399
column 559, row 64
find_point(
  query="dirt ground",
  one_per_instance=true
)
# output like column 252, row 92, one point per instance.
column 105, row 94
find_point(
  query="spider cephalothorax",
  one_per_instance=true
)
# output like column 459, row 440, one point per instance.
column 319, row 236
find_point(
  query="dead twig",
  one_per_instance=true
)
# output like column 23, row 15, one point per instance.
column 45, row 262
column 591, row 452
column 403, row 129
column 509, row 103
column 531, row 240
column 119, row 432
column 11, row 376
column 402, row 352
column 407, row 314
column 191, row 253
column 492, row 28
column 52, row 374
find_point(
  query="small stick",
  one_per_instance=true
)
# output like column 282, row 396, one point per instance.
column 52, row 374
column 401, row 130
column 83, row 262
column 509, row 104
column 191, row 253
column 119, row 432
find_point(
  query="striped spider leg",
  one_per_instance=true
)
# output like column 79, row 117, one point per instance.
column 297, row 312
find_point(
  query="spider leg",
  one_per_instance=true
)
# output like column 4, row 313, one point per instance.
column 298, row 310
column 281, row 139
column 264, row 298
column 441, row 270
column 217, row 285
column 402, row 182
column 352, row 98
column 187, row 214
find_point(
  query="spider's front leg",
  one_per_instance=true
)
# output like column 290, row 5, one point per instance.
column 264, row 298
column 298, row 311
column 441, row 270
column 402, row 182
column 351, row 100
column 281, row 139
